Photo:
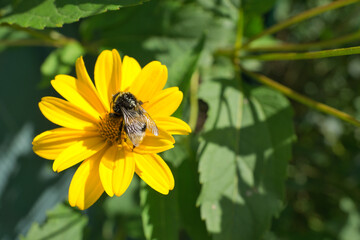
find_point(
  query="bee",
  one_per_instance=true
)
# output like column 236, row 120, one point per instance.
column 135, row 119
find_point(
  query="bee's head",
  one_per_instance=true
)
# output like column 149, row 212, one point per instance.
column 125, row 100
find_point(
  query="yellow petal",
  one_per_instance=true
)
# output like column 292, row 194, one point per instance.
column 164, row 103
column 155, row 144
column 107, row 75
column 78, row 152
column 51, row 143
column 173, row 125
column 155, row 172
column 123, row 173
column 116, row 170
column 85, row 187
column 92, row 95
column 150, row 81
column 130, row 70
column 106, row 167
column 66, row 114
column 115, row 84
column 75, row 92
column 102, row 75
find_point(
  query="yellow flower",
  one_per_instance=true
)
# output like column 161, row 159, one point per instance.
column 90, row 132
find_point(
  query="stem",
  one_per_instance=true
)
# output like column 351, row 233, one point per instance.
column 307, row 46
column 194, row 105
column 240, row 30
column 301, row 17
column 307, row 55
column 302, row 99
column 47, row 38
column 26, row 42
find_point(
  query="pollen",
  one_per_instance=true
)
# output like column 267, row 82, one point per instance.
column 110, row 128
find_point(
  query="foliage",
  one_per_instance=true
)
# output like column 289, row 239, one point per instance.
column 257, row 165
column 63, row 223
column 54, row 13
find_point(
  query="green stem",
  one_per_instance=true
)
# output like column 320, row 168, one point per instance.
column 308, row 46
column 307, row 55
column 194, row 105
column 26, row 42
column 240, row 30
column 302, row 99
column 301, row 17
column 48, row 38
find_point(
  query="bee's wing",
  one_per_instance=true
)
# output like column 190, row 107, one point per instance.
column 135, row 126
column 149, row 122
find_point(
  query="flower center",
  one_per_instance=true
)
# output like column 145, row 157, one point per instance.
column 110, row 127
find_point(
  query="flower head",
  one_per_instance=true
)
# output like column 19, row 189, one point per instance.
column 111, row 145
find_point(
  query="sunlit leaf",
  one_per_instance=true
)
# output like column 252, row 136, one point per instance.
column 54, row 13
column 243, row 158
column 63, row 222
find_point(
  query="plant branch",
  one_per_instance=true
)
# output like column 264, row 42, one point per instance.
column 301, row 17
column 302, row 99
column 307, row 55
column 47, row 38
column 307, row 46
column 194, row 105
column 240, row 30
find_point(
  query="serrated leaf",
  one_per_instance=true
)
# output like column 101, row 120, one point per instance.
column 63, row 222
column 159, row 214
column 243, row 158
column 54, row 13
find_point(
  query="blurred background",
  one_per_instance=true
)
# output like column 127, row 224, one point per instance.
column 322, row 189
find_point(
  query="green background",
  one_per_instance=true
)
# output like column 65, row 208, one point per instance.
column 258, row 166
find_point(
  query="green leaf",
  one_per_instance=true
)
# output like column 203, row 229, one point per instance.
column 243, row 156
column 60, row 61
column 63, row 222
column 187, row 182
column 184, row 67
column 257, row 6
column 159, row 214
column 170, row 33
column 254, row 24
column 127, row 204
column 54, row 13
column 182, row 70
column 187, row 185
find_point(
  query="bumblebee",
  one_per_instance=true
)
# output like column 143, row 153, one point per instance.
column 135, row 119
